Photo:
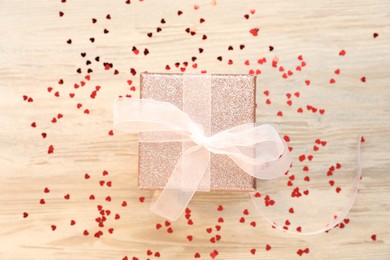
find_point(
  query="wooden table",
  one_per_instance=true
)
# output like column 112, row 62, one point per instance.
column 60, row 161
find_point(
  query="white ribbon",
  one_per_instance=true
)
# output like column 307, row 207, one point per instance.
column 258, row 150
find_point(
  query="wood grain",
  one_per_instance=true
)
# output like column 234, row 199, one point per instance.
column 34, row 55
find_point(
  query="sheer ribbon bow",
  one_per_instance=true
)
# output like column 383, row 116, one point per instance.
column 258, row 150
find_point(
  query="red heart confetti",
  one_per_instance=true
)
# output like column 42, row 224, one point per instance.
column 214, row 254
column 50, row 150
column 254, row 31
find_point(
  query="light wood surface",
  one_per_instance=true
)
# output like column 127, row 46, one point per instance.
column 34, row 55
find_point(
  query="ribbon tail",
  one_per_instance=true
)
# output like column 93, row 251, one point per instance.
column 183, row 183
column 332, row 222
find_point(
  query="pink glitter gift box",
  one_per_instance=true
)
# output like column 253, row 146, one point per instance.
column 232, row 102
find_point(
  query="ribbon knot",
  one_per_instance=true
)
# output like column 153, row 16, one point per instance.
column 198, row 137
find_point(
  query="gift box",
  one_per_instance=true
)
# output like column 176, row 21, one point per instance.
column 216, row 102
